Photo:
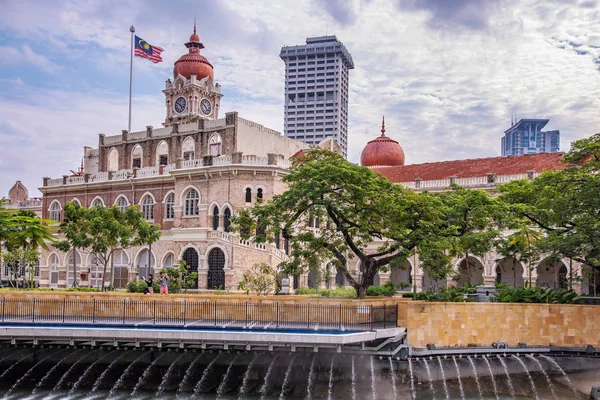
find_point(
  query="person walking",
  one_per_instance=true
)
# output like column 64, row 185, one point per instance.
column 164, row 283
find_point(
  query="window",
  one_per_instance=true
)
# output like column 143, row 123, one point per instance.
column 162, row 160
column 188, row 148
column 215, row 218
column 53, row 270
column 76, row 202
column 113, row 160
column 248, row 195
column 96, row 270
column 55, row 211
column 169, row 206
column 226, row 219
column 192, row 199
column 168, row 263
column 148, row 207
column 162, row 151
column 259, row 193
column 98, row 202
column 122, row 203
column 215, row 144
column 136, row 156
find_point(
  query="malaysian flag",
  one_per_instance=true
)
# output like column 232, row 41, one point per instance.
column 144, row 50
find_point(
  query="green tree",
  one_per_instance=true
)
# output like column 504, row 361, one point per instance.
column 564, row 204
column 260, row 279
column 181, row 278
column 355, row 206
column 105, row 230
column 75, row 228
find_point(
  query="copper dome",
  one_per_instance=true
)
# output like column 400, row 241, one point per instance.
column 193, row 62
column 382, row 151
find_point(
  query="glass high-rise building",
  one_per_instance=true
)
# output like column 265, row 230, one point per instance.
column 316, row 90
column 527, row 137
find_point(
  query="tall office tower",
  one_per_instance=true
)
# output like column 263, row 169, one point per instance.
column 316, row 91
column 526, row 137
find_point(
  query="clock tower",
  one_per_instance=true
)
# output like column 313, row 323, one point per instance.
column 192, row 94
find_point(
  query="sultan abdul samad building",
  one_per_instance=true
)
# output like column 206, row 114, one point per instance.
column 191, row 175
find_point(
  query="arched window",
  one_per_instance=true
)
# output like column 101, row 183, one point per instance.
column 53, row 262
column 145, row 264
column 76, row 202
column 170, row 206
column 192, row 198
column 215, row 144
column 168, row 262
column 162, row 153
column 73, row 267
column 113, row 160
column 226, row 219
column 498, row 274
column 55, row 211
column 190, row 256
column 562, row 277
column 188, row 149
column 340, row 278
column 248, row 195
column 98, row 202
column 259, row 193
column 122, row 203
column 121, row 271
column 96, row 270
column 215, row 218
column 148, row 207
column 216, row 273
column 136, row 156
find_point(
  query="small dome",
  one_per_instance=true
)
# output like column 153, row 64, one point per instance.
column 382, row 151
column 193, row 62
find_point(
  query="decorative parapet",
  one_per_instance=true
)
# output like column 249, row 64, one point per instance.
column 476, row 181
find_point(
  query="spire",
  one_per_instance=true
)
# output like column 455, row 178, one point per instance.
column 194, row 24
column 383, row 126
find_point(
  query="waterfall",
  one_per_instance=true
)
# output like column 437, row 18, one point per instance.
column 205, row 374
column 13, row 365
column 286, row 378
column 492, row 376
column 309, row 386
column 87, row 371
column 45, row 377
column 103, row 374
column 165, row 380
column 354, row 381
column 413, row 394
column 330, row 386
column 539, row 364
column 476, row 377
column 265, row 386
column 244, row 386
column 510, row 385
column 26, row 374
column 121, row 379
column 372, row 379
column 462, row 392
column 564, row 374
column 188, row 373
column 528, row 375
column 145, row 375
column 429, row 379
column 443, row 378
column 223, row 385
column 391, row 373
column 66, row 374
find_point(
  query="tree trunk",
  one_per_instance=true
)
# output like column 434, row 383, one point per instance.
column 361, row 291
column 104, row 274
column 514, row 272
column 74, row 269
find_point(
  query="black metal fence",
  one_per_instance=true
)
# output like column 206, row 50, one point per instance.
column 199, row 314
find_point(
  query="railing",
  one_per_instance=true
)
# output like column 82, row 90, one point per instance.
column 194, row 163
column 147, row 172
column 222, row 160
column 55, row 182
column 74, row 180
column 255, row 160
column 98, row 177
column 122, row 174
column 198, row 314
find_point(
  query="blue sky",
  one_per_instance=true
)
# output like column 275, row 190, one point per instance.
column 448, row 75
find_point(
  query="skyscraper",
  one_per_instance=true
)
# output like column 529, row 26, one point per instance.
column 527, row 137
column 316, row 90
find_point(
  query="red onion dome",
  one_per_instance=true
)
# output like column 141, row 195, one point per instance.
column 382, row 151
column 193, row 62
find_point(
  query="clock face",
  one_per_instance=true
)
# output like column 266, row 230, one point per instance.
column 205, row 106
column 180, row 104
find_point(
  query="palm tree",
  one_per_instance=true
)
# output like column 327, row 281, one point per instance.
column 526, row 237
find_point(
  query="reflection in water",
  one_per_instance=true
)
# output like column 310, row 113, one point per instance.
column 45, row 373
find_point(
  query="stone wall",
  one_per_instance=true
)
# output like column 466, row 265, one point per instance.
column 481, row 324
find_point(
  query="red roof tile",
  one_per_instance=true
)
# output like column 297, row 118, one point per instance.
column 474, row 167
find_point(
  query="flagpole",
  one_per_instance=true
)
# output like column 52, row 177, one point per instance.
column 132, row 30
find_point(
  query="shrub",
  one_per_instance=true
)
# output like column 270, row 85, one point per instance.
column 261, row 279
column 137, row 286
column 507, row 294
column 451, row 294
column 338, row 293
column 305, row 291
column 388, row 289
column 82, row 289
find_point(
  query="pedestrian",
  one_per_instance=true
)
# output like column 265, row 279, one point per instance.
column 149, row 282
column 164, row 283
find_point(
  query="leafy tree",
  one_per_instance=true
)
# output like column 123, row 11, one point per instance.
column 181, row 278
column 564, row 204
column 355, row 206
column 75, row 228
column 105, row 230
column 260, row 279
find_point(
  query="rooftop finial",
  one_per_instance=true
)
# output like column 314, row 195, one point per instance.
column 383, row 126
column 194, row 24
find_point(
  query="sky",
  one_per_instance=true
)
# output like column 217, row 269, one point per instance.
column 447, row 75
